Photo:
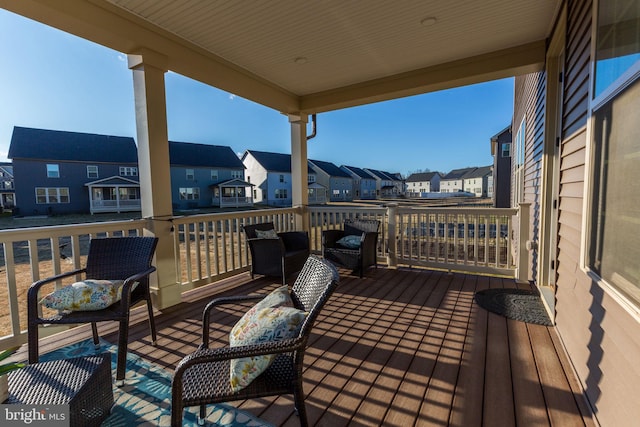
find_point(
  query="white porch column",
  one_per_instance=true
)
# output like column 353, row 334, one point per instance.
column 299, row 168
column 148, row 69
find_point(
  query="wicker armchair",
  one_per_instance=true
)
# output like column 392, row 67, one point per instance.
column 203, row 377
column 356, row 259
column 277, row 257
column 117, row 258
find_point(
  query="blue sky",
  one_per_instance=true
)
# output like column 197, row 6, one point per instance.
column 53, row 80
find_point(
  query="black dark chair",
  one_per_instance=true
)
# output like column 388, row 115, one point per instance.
column 279, row 257
column 356, row 259
column 203, row 377
column 116, row 258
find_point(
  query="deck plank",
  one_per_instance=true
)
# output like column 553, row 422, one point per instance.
column 398, row 347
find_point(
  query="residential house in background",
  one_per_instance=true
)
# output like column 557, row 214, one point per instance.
column 501, row 152
column 207, row 175
column 453, row 182
column 59, row 172
column 477, row 181
column 386, row 185
column 270, row 173
column 420, row 183
column 339, row 182
column 364, row 185
column 7, row 189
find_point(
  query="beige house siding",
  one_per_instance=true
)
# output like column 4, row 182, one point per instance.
column 601, row 337
column 530, row 104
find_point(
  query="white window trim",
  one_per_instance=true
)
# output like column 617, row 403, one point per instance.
column 595, row 103
column 57, row 170
column 96, row 169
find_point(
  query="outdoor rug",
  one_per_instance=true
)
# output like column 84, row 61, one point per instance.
column 516, row 304
column 145, row 399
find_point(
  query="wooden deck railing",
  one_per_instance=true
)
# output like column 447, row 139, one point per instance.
column 31, row 254
column 211, row 247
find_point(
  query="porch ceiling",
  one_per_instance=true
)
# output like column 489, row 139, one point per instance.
column 354, row 52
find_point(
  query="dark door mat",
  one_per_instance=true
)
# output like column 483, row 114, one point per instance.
column 516, row 304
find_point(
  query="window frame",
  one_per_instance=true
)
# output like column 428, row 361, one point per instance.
column 58, row 194
column 190, row 174
column 53, row 170
column 128, row 171
column 90, row 174
column 189, row 193
column 596, row 103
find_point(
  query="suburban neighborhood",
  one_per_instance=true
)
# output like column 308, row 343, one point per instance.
column 60, row 172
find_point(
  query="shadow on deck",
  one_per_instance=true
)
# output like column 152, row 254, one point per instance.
column 396, row 348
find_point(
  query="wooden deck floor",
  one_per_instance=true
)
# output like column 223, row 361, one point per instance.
column 400, row 348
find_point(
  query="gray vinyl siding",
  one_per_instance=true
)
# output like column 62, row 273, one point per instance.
column 29, row 174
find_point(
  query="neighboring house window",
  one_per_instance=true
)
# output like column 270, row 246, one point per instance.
column 518, row 174
column 190, row 175
column 189, row 193
column 506, row 149
column 129, row 193
column 311, row 178
column 281, row 178
column 214, row 174
column 613, row 248
column 281, row 193
column 92, row 171
column 52, row 195
column 53, row 171
column 128, row 171
column 236, row 174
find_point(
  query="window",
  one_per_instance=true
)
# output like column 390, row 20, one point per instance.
column 236, row 174
column 613, row 246
column 506, row 149
column 281, row 193
column 518, row 171
column 53, row 171
column 311, row 178
column 189, row 193
column 190, row 175
column 52, row 195
column 617, row 43
column 92, row 171
column 281, row 178
column 214, row 174
column 128, row 171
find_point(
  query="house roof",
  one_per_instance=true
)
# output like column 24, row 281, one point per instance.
column 329, row 168
column 421, row 176
column 478, row 172
column 273, row 162
column 359, row 172
column 44, row 144
column 458, row 173
column 234, row 182
column 380, row 174
column 114, row 181
column 310, row 55
column 191, row 154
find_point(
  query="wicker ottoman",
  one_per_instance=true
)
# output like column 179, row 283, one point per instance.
column 83, row 383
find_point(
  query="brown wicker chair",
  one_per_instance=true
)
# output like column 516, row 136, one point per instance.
column 356, row 259
column 203, row 377
column 277, row 257
column 117, row 258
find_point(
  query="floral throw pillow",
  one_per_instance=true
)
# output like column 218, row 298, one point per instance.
column 88, row 295
column 266, row 234
column 351, row 241
column 263, row 325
